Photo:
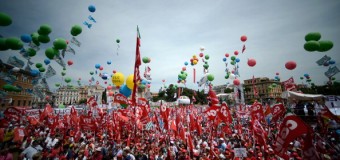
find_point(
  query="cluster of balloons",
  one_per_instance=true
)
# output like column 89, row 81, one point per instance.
column 146, row 60
column 13, row 43
column 10, row 88
column 308, row 78
column 272, row 86
column 125, row 89
column 40, row 67
column 313, row 43
column 277, row 77
column 194, row 60
column 182, row 77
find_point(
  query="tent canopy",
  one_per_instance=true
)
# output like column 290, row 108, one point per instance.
column 301, row 96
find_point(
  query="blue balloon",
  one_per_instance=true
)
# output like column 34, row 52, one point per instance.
column 224, row 59
column 47, row 61
column 92, row 8
column 237, row 60
column 108, row 62
column 331, row 62
column 338, row 131
column 35, row 72
column 144, row 82
column 97, row 66
column 306, row 75
column 26, row 38
column 125, row 90
column 186, row 63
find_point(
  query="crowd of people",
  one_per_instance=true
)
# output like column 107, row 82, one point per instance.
column 222, row 141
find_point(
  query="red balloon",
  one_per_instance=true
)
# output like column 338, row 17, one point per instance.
column 191, row 60
column 236, row 82
column 47, row 97
column 114, row 71
column 236, row 53
column 290, row 65
column 79, row 78
column 109, row 87
column 110, row 93
column 183, row 69
column 67, row 42
column 163, row 80
column 201, row 54
column 101, row 68
column 105, row 82
column 69, row 62
column 277, row 73
column 251, row 62
column 148, row 85
column 243, row 38
column 232, row 72
column 227, row 55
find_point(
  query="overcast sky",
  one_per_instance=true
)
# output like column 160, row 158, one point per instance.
column 173, row 31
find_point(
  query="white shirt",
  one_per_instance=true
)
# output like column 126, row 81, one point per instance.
column 51, row 142
column 29, row 152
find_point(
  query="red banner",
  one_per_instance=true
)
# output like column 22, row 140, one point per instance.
column 121, row 99
column 278, row 110
column 224, row 113
column 13, row 113
column 257, row 112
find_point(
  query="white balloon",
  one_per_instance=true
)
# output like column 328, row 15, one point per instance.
column 15, row 69
column 202, row 48
column 232, row 76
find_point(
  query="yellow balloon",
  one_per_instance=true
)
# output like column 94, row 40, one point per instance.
column 194, row 56
column 129, row 81
column 194, row 62
column 118, row 79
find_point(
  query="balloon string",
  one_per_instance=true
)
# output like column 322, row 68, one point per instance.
column 118, row 49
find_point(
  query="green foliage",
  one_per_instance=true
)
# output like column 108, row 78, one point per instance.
column 228, row 90
column 82, row 101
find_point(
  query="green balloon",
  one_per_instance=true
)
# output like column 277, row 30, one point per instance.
column 45, row 29
column 35, row 38
column 210, row 77
column 91, row 73
column 301, row 78
column 14, row 43
column 226, row 76
column 5, row 20
column 313, row 36
column 145, row 60
column 57, row 84
column 333, row 78
column 44, row 38
column 38, row 65
column 50, row 53
column 274, row 85
column 60, row 43
column 63, row 73
column 182, row 72
column 185, row 73
column 7, row 87
column 64, row 68
column 206, row 57
column 42, row 69
column 68, row 79
column 312, row 84
column 142, row 86
column 76, row 30
column 31, row 52
column 3, row 45
column 184, row 77
column 311, row 46
column 206, row 66
column 325, row 46
column 118, row 40
column 232, row 62
column 308, row 80
column 233, row 58
column 16, row 89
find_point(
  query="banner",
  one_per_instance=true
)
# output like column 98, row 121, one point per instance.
column 289, row 84
column 50, row 72
column 332, row 71
column 278, row 110
column 14, row 61
column 121, row 99
column 323, row 60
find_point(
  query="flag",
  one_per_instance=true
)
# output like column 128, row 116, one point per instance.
column 259, row 133
column 254, row 87
column 211, row 112
column 257, row 112
column 136, row 76
column 147, row 73
column 14, row 61
column 70, row 50
column 289, row 84
column 323, row 60
column 224, row 113
column 60, row 61
column 75, row 41
column 243, row 48
column 332, row 71
column 268, row 111
column 120, row 98
column 92, row 102
column 33, row 46
column 327, row 114
column 277, row 111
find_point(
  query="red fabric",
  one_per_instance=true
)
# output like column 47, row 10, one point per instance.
column 91, row 102
column 13, row 113
column 2, row 134
column 259, row 133
column 291, row 128
column 211, row 112
column 326, row 113
column 257, row 112
column 268, row 111
column 278, row 110
column 190, row 143
column 224, row 113
column 182, row 134
column 173, row 125
column 309, row 151
column 136, row 76
column 19, row 134
column 212, row 97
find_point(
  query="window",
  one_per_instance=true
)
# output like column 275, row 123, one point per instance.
column 24, row 103
column 12, row 104
column 29, row 103
column 19, row 102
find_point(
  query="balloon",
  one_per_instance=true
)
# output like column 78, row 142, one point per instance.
column 118, row 79
column 44, row 38
column 69, row 62
column 251, row 62
column 92, row 8
column 44, row 30
column 60, row 44
column 26, row 38
column 63, row 73
column 301, row 78
column 306, row 75
column 129, row 81
column 206, row 66
column 311, row 46
column 210, row 77
column 146, row 60
column 224, row 59
column 35, row 72
column 111, row 93
column 8, row 87
column 184, row 68
column 227, row 55
column 109, row 87
column 236, row 82
column 277, row 73
column 125, row 90
column 201, row 54
column 236, row 53
column 3, row 45
column 35, row 38
column 290, row 65
column 97, row 66
column 206, row 57
column 232, row 76
column 331, row 62
column 274, row 85
column 186, row 63
column 42, row 69
column 313, row 36
column 232, row 62
column 101, row 68
column 91, row 73
column 108, row 62
column 76, row 30
column 47, row 61
column 333, row 78
column 325, row 46
column 243, row 38
column 51, row 52
column 114, row 71
column 38, row 65
column 68, row 79
column 194, row 62
column 31, row 52
column 226, row 76
column 104, row 76
column 117, row 40
column 57, row 84
column 237, row 60
column 14, row 43
column 64, row 69
column 5, row 20
column 233, row 58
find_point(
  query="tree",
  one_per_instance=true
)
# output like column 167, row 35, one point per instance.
column 228, row 90
column 170, row 93
column 82, row 101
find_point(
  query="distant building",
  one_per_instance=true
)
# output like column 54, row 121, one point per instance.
column 23, row 81
column 266, row 89
column 220, row 88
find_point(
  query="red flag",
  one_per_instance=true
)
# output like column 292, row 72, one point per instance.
column 19, row 134
column 260, row 133
column 190, row 143
column 182, row 134
column 278, row 110
column 224, row 113
column 257, row 111
column 121, row 99
column 173, row 126
column 211, row 112
column 136, row 76
column 291, row 128
column 309, row 151
column 212, row 97
column 268, row 111
column 13, row 113
column 91, row 102
column 326, row 113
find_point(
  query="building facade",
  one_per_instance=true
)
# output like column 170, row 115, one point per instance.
column 266, row 89
column 220, row 88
